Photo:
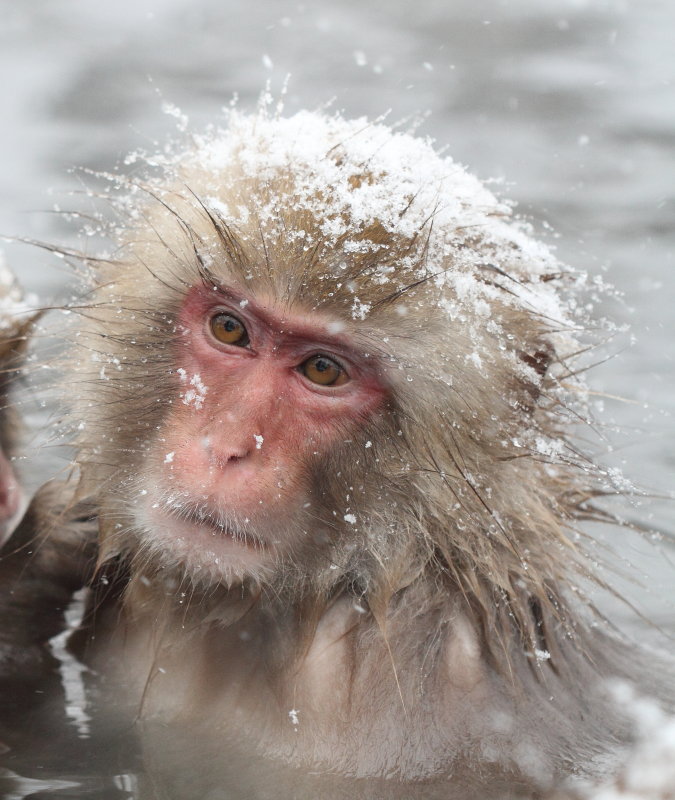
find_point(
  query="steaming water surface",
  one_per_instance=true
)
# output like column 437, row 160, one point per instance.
column 571, row 102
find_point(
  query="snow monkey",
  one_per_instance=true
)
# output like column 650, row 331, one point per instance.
column 322, row 401
column 35, row 583
column 16, row 323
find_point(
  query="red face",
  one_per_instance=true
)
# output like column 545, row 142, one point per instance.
column 262, row 397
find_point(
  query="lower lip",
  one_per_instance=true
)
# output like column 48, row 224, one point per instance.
column 215, row 534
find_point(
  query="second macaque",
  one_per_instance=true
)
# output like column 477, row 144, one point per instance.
column 322, row 398
column 16, row 323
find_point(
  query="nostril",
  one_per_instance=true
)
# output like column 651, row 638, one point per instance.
column 228, row 459
column 225, row 454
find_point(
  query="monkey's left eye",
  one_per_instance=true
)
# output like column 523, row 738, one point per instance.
column 229, row 330
column 323, row 371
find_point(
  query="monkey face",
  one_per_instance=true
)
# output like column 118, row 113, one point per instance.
column 262, row 396
column 231, row 412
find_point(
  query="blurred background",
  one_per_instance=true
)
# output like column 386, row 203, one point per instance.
column 570, row 104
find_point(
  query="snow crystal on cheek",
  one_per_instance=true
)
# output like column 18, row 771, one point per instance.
column 258, row 441
column 196, row 395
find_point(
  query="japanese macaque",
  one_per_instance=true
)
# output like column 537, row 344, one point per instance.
column 16, row 323
column 38, row 575
column 323, row 394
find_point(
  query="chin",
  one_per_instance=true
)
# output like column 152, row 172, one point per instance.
column 208, row 548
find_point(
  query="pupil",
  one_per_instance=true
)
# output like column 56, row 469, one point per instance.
column 321, row 365
column 230, row 325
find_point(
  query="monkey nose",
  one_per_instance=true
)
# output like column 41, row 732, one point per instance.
column 226, row 454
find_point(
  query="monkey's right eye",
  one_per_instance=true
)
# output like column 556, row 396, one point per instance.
column 229, row 330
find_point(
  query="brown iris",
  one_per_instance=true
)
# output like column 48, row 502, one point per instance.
column 324, row 371
column 229, row 330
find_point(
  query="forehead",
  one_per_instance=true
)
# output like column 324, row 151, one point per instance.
column 279, row 314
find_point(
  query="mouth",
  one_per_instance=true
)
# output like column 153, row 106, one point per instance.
column 205, row 518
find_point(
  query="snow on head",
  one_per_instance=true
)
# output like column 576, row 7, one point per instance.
column 332, row 152
column 362, row 185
